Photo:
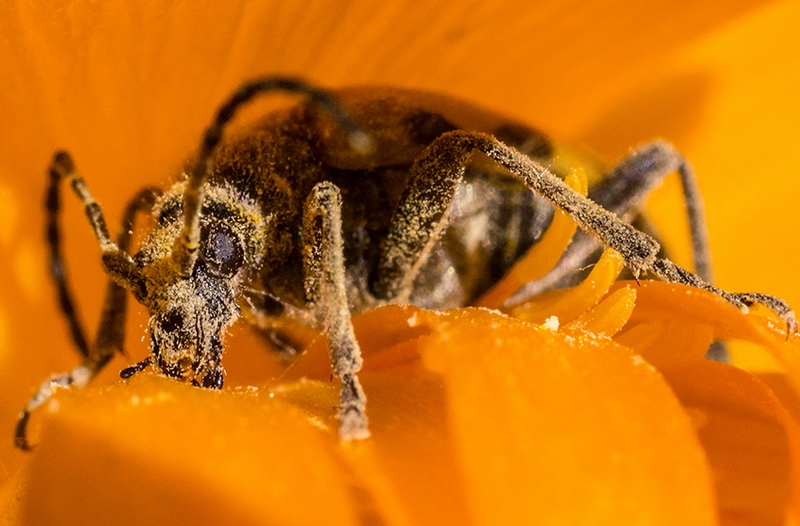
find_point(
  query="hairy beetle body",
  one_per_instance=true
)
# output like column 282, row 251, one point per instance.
column 346, row 201
column 493, row 220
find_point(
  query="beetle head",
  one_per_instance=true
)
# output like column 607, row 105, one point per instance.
column 190, row 312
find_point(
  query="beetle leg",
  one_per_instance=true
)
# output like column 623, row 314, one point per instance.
column 422, row 215
column 57, row 272
column 79, row 376
column 323, row 262
column 622, row 191
column 111, row 330
column 286, row 327
column 635, row 177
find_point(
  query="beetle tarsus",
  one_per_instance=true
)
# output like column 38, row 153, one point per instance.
column 21, row 431
column 353, row 423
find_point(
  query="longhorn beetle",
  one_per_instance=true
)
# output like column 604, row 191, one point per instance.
column 346, row 201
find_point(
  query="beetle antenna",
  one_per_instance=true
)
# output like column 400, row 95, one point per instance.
column 185, row 253
column 136, row 368
column 61, row 166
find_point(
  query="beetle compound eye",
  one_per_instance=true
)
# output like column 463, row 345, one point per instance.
column 173, row 322
column 222, row 251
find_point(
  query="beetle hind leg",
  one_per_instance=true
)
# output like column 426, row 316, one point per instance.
column 776, row 305
column 422, row 216
column 622, row 190
column 326, row 292
column 422, row 213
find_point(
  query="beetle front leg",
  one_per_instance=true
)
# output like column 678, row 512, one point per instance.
column 110, row 333
column 78, row 377
column 323, row 261
column 110, row 338
column 116, row 261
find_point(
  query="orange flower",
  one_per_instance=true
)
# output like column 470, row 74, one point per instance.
column 476, row 418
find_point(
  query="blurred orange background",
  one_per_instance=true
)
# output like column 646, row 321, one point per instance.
column 128, row 88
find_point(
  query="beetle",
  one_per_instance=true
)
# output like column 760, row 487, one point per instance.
column 346, row 201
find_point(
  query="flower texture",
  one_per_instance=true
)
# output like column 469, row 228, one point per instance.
column 608, row 415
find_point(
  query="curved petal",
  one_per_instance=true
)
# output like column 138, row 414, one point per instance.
column 538, row 445
column 570, row 303
column 607, row 317
column 160, row 452
column 752, row 442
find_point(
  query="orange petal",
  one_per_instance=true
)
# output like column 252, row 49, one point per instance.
column 160, row 452
column 570, row 303
column 408, row 467
column 543, row 255
column 607, row 317
column 681, row 303
column 690, row 307
column 667, row 344
column 552, row 429
column 381, row 333
column 74, row 82
column 752, row 443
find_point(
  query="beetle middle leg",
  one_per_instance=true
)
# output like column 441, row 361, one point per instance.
column 323, row 262
column 422, row 215
column 111, row 329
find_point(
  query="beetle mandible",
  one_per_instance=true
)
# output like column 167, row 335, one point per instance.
column 347, row 201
